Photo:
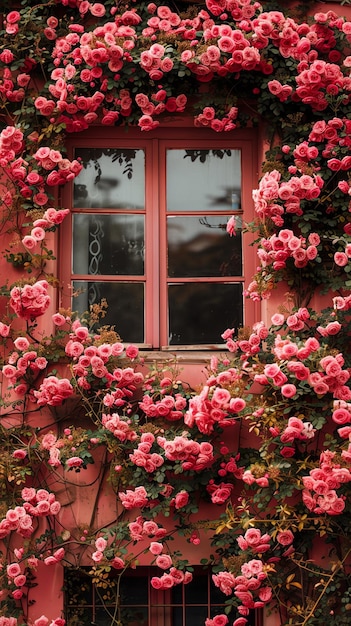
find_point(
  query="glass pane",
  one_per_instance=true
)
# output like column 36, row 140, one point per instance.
column 217, row 596
column 195, row 615
column 132, row 616
column 78, row 587
column 108, row 244
column 196, row 592
column 125, row 306
column 200, row 246
column 200, row 312
column 110, row 178
column 134, row 590
column 79, row 616
column 203, row 180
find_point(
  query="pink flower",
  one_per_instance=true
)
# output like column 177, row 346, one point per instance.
column 155, row 547
column 287, row 452
column 97, row 9
column 231, row 226
column 29, row 242
column 137, row 498
column 265, row 594
column 341, row 259
column 13, row 17
column 333, row 328
column 132, row 351
column 41, row 621
column 217, row 620
column 58, row 319
column 38, row 233
column 74, row 461
column 277, row 319
column 285, row 537
column 50, row 560
column 30, row 301
column 19, row 454
column 240, row 621
column 13, row 569
column 181, row 499
column 4, row 330
column 100, row 544
column 164, row 561
column 288, row 390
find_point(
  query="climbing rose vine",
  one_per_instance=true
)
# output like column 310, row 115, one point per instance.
column 265, row 442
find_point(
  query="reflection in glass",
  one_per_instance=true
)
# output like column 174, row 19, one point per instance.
column 108, row 244
column 111, row 178
column 205, row 183
column 200, row 312
column 125, row 306
column 200, row 246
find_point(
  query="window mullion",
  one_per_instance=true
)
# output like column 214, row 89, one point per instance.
column 163, row 302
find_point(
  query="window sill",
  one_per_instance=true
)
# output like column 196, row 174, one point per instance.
column 189, row 355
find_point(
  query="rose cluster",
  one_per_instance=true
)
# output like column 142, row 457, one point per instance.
column 191, row 454
column 36, row 503
column 30, row 301
column 320, row 486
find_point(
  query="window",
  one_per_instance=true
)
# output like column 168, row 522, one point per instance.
column 141, row 605
column 148, row 232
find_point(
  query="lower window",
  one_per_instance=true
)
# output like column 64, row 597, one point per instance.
column 139, row 604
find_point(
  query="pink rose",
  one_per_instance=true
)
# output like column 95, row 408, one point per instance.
column 4, row 330
column 164, row 561
column 13, row 569
column 288, row 391
column 29, row 242
column 19, row 454
column 101, row 544
column 341, row 259
column 231, row 226
column 74, row 461
column 285, row 538
column 181, row 499
column 287, row 452
column 132, row 351
column 155, row 547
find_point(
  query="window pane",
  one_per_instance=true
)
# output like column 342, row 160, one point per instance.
column 194, row 616
column 79, row 616
column 110, row 178
column 134, row 590
column 196, row 592
column 132, row 616
column 200, row 246
column 108, row 244
column 125, row 306
column 203, row 180
column 78, row 587
column 200, row 312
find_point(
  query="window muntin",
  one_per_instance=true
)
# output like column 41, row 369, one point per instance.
column 161, row 247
